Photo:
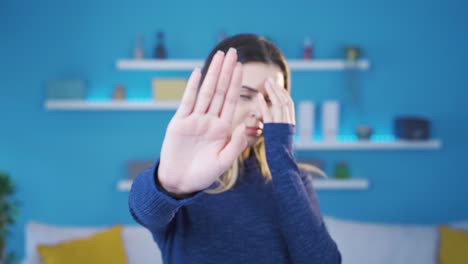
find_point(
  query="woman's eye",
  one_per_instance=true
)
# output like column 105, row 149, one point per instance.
column 247, row 97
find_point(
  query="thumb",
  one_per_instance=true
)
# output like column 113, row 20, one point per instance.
column 234, row 147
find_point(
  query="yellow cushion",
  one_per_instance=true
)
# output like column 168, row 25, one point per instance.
column 103, row 247
column 453, row 246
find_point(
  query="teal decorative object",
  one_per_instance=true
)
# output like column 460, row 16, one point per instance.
column 66, row 90
column 352, row 55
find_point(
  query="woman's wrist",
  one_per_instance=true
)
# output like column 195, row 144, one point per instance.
column 173, row 193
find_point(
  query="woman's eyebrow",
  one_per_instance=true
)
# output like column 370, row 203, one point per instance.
column 250, row 88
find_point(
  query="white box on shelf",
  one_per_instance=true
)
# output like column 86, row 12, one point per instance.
column 306, row 121
column 330, row 120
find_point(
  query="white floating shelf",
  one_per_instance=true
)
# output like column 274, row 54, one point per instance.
column 298, row 65
column 112, row 105
column 333, row 184
column 328, row 184
column 159, row 64
column 327, row 65
column 370, row 145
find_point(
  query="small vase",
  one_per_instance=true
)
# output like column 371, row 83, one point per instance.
column 342, row 171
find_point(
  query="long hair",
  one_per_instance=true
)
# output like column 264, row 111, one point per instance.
column 250, row 48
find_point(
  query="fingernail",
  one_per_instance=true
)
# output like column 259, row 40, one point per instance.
column 220, row 52
column 268, row 84
column 232, row 50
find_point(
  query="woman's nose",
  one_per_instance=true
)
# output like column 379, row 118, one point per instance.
column 256, row 112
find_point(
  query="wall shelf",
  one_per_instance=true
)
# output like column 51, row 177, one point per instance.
column 370, row 145
column 334, row 184
column 327, row 184
column 81, row 105
column 296, row 65
column 110, row 105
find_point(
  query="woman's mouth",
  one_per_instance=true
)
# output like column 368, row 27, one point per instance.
column 254, row 131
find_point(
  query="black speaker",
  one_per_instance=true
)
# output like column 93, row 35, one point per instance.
column 412, row 128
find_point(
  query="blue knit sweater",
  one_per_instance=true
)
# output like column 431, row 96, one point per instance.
column 255, row 222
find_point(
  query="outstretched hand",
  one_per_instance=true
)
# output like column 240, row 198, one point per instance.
column 199, row 145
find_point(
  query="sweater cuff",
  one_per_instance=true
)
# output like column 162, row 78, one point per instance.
column 151, row 196
column 279, row 135
column 164, row 194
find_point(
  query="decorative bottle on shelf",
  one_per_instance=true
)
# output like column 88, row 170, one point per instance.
column 330, row 120
column 160, row 51
column 342, row 171
column 308, row 49
column 352, row 53
column 119, row 92
column 138, row 53
column 306, row 121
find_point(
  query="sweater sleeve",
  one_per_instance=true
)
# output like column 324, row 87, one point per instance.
column 300, row 220
column 150, row 205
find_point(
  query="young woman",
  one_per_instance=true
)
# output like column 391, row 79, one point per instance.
column 227, row 188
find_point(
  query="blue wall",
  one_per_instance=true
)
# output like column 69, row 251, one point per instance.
column 66, row 164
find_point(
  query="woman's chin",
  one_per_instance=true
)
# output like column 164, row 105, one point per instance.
column 252, row 140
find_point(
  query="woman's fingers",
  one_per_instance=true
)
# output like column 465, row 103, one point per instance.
column 291, row 107
column 209, row 84
column 277, row 105
column 282, row 104
column 190, row 94
column 234, row 147
column 223, row 83
column 229, row 105
column 267, row 118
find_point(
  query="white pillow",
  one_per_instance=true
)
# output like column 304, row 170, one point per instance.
column 460, row 225
column 361, row 242
column 139, row 245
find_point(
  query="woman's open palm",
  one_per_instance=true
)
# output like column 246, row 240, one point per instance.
column 199, row 145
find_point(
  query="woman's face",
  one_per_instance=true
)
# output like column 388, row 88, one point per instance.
column 248, row 110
